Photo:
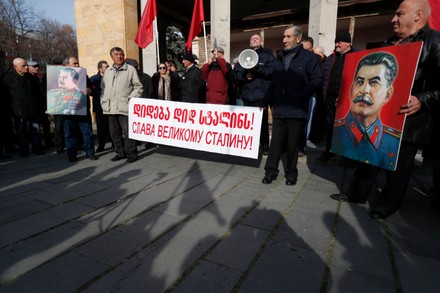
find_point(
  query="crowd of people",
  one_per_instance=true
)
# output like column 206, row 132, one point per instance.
column 299, row 84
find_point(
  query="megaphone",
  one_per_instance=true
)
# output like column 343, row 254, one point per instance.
column 248, row 59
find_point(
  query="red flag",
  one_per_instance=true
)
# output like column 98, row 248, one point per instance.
column 198, row 17
column 144, row 34
column 434, row 18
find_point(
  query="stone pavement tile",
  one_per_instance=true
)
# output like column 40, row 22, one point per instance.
column 360, row 246
column 61, row 193
column 63, row 274
column 39, row 222
column 418, row 272
column 129, row 238
column 357, row 211
column 269, row 211
column 306, row 229
column 22, row 210
column 18, row 199
column 239, row 248
column 11, row 190
column 209, row 277
column 158, row 266
column 284, row 267
column 347, row 280
column 24, row 256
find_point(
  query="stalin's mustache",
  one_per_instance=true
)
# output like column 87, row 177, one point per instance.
column 364, row 99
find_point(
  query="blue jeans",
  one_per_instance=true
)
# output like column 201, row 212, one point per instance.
column 305, row 137
column 71, row 127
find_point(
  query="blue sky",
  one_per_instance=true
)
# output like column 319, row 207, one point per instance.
column 61, row 10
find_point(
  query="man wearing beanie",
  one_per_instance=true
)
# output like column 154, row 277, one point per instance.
column 332, row 72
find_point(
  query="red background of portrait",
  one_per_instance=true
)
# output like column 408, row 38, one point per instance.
column 407, row 57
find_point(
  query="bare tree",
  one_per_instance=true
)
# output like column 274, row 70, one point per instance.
column 26, row 34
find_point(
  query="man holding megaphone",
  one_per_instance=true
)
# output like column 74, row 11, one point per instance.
column 254, row 76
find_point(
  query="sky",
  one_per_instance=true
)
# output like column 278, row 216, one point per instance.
column 61, row 10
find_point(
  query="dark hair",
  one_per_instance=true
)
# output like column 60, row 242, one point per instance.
column 101, row 62
column 73, row 73
column 307, row 39
column 116, row 49
column 388, row 60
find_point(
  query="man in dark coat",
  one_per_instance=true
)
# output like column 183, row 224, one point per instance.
column 332, row 72
column 296, row 75
column 410, row 24
column 255, row 82
column 24, row 93
column 192, row 88
column 102, row 127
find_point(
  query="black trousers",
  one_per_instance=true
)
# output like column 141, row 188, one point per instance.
column 393, row 193
column 264, row 133
column 286, row 136
column 118, row 125
column 59, row 131
column 102, row 129
column 330, row 111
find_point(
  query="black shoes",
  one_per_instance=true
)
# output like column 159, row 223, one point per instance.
column 344, row 198
column 118, row 158
column 131, row 160
column 268, row 179
column 72, row 159
column 378, row 213
column 291, row 182
column 92, row 157
column 60, row 150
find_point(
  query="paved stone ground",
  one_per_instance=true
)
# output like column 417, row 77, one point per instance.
column 186, row 221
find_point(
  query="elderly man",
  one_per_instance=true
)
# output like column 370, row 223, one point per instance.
column 296, row 75
column 361, row 134
column 23, row 91
column 410, row 24
column 254, row 84
column 332, row 72
column 119, row 84
column 192, row 87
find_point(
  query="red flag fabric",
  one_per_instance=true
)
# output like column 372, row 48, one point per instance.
column 434, row 18
column 198, row 17
column 144, row 34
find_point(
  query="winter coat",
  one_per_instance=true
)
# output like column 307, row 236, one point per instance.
column 290, row 92
column 216, row 76
column 117, row 87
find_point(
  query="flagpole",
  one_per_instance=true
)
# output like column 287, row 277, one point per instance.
column 204, row 37
column 156, row 35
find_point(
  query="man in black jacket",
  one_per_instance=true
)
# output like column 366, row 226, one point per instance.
column 254, row 83
column 296, row 76
column 192, row 87
column 23, row 91
column 410, row 24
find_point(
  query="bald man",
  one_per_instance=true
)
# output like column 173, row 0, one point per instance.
column 410, row 24
column 23, row 92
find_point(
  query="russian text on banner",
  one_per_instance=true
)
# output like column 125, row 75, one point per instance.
column 223, row 129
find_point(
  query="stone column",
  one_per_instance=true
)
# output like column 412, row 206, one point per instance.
column 323, row 15
column 102, row 25
column 221, row 26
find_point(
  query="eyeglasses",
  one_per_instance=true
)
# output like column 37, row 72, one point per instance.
column 160, row 68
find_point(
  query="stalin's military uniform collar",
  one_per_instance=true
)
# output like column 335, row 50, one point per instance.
column 373, row 133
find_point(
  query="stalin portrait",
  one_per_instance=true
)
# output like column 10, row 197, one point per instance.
column 361, row 135
column 67, row 99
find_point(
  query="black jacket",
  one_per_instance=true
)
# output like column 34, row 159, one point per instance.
column 192, row 86
column 24, row 93
column 174, row 86
column 294, row 83
column 418, row 127
column 255, row 90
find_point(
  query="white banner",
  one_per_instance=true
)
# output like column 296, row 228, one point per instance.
column 224, row 129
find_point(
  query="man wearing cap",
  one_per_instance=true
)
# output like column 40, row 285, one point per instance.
column 216, row 74
column 192, row 87
column 332, row 72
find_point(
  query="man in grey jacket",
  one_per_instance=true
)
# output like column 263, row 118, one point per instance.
column 119, row 84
